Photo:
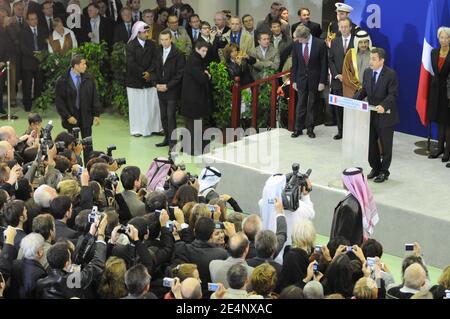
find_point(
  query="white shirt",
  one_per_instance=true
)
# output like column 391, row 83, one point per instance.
column 57, row 36
column 141, row 42
column 264, row 51
column 175, row 34
column 277, row 40
column 166, row 52
column 348, row 41
column 309, row 46
column 95, row 26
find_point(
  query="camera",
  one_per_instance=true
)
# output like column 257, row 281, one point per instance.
column 168, row 282
column 211, row 208
column 212, row 286
column 219, row 226
column 349, row 249
column 94, row 215
column 409, row 247
column 123, row 229
column 46, row 140
column 296, row 183
column 86, row 141
column 76, row 133
column 111, row 181
column 447, row 294
column 316, row 268
column 318, row 249
column 371, row 262
column 109, row 149
column 191, row 178
column 169, row 225
column 60, row 146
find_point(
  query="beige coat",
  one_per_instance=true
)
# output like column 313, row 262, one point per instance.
column 270, row 61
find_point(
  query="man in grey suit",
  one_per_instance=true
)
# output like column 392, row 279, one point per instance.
column 281, row 42
column 238, row 245
column 179, row 34
column 131, row 182
column 266, row 56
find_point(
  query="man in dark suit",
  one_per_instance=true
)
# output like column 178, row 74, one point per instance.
column 309, row 75
column 336, row 55
column 77, row 100
column 61, row 209
column 186, row 11
column 169, row 74
column 193, row 28
column 304, row 16
column 32, row 40
column 131, row 182
column 96, row 28
column 380, row 86
column 135, row 6
column 46, row 19
column 175, row 9
column 113, row 10
column 122, row 31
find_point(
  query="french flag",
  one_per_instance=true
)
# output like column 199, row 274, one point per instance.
column 435, row 19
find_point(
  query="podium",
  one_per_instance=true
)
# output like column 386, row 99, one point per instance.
column 356, row 130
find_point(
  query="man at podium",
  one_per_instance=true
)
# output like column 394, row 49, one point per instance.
column 380, row 86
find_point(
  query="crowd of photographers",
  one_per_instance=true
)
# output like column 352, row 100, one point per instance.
column 82, row 231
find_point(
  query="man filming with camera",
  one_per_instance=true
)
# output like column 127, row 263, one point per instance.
column 77, row 100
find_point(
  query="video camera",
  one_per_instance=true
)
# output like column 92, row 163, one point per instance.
column 109, row 158
column 296, row 183
column 46, row 140
column 191, row 178
column 85, row 141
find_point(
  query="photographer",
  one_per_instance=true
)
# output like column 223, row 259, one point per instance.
column 62, row 283
column 209, row 180
column 127, row 202
column 71, row 143
column 136, row 251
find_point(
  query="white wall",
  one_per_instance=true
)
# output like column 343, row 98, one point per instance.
column 257, row 8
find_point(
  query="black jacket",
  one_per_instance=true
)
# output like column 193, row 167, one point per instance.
column 64, row 232
column 336, row 56
column 347, row 221
column 161, row 250
column 105, row 30
column 242, row 71
column 55, row 286
column 385, row 94
column 135, row 253
column 200, row 253
column 139, row 60
column 29, row 61
column 196, row 95
column 295, row 266
column 309, row 76
column 213, row 49
column 438, row 110
column 170, row 73
column 316, row 30
column 121, row 33
column 65, row 100
column 24, row 276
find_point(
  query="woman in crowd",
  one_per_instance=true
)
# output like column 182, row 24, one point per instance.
column 112, row 282
column 62, row 39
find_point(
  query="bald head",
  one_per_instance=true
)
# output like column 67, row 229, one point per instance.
column 178, row 178
column 8, row 133
column 238, row 245
column 415, row 276
column 251, row 226
column 6, row 151
column 191, row 289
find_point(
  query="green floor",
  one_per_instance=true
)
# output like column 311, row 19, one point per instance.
column 141, row 151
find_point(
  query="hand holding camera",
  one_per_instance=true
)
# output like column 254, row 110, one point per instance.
column 179, row 215
column 358, row 253
column 230, row 229
column 163, row 218
column 279, row 206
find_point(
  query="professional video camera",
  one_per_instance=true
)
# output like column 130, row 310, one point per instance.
column 191, row 178
column 296, row 183
column 109, row 158
column 46, row 140
column 85, row 141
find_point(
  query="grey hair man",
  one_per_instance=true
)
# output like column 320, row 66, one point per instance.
column 313, row 290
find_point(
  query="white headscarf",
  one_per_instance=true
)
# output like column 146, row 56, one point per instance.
column 362, row 35
column 209, row 178
column 272, row 189
column 139, row 26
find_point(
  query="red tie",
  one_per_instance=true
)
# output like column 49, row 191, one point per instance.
column 306, row 54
